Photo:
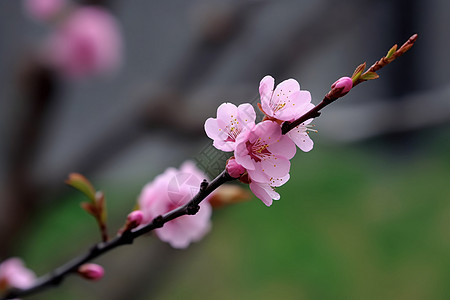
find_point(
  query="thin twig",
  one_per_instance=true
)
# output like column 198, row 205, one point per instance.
column 335, row 94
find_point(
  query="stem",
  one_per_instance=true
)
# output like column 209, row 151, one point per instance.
column 56, row 276
column 335, row 94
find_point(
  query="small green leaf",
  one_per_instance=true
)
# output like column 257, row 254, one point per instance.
column 369, row 76
column 358, row 72
column 82, row 184
column 391, row 51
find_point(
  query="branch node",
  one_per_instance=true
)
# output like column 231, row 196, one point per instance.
column 203, row 185
column 158, row 222
column 192, row 209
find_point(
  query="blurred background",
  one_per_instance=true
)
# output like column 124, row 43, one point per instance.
column 366, row 214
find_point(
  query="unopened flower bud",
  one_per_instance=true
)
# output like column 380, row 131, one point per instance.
column 234, row 169
column 134, row 219
column 91, row 271
column 344, row 83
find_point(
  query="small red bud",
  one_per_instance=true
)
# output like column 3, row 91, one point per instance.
column 344, row 83
column 91, row 271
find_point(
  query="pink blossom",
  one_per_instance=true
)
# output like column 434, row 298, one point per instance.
column 231, row 121
column 13, row 274
column 234, row 169
column 265, row 152
column 344, row 83
column 299, row 135
column 88, row 42
column 287, row 102
column 265, row 191
column 42, row 10
column 91, row 271
column 170, row 190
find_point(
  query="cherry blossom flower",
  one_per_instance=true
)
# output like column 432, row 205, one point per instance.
column 170, row 190
column 287, row 102
column 13, row 274
column 231, row 121
column 299, row 135
column 265, row 152
column 87, row 42
column 265, row 191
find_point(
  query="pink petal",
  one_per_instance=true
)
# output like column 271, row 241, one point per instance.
column 215, row 130
column 242, row 157
column 283, row 147
column 276, row 166
column 265, row 91
column 264, row 192
column 286, row 93
column 247, row 116
column 226, row 112
column 258, row 174
column 301, row 138
column 268, row 131
column 276, row 182
column 297, row 107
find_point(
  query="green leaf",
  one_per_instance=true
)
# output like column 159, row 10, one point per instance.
column 82, row 184
column 391, row 51
column 369, row 76
column 358, row 72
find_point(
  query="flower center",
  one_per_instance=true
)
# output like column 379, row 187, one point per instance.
column 232, row 132
column 258, row 150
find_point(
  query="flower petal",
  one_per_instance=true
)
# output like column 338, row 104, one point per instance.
column 283, row 147
column 257, row 174
column 242, row 156
column 227, row 112
column 247, row 116
column 268, row 130
column 264, row 192
column 301, row 138
column 276, row 182
column 265, row 91
column 275, row 166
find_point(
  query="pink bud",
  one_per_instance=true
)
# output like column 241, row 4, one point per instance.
column 234, row 169
column 135, row 218
column 42, row 10
column 91, row 271
column 346, row 83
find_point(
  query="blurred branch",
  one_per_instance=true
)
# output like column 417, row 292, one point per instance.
column 37, row 86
